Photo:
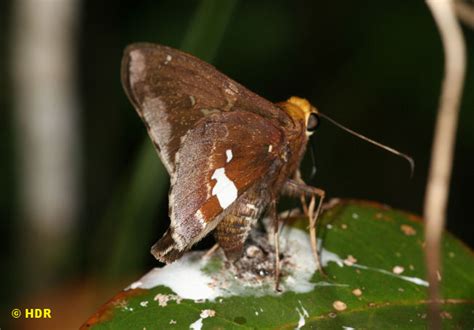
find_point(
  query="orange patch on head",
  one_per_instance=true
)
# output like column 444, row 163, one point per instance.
column 298, row 108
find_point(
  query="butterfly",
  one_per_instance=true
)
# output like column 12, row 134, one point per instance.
column 230, row 153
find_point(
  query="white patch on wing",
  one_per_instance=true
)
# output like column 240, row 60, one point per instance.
column 229, row 155
column 225, row 189
column 200, row 217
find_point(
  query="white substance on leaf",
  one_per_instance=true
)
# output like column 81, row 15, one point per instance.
column 339, row 305
column 207, row 313
column 303, row 314
column 187, row 280
column 196, row 325
column 415, row 280
column 398, row 270
column 350, row 260
column 184, row 277
column 229, row 155
column 144, row 303
column 301, row 321
column 225, row 189
column 297, row 245
column 204, row 315
column 162, row 299
column 328, row 256
column 324, row 283
column 347, row 328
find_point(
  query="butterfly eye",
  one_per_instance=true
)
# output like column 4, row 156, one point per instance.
column 313, row 122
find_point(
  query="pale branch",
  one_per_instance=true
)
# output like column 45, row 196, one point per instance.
column 46, row 119
column 437, row 189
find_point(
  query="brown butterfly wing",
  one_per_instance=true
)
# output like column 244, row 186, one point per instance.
column 172, row 90
column 220, row 159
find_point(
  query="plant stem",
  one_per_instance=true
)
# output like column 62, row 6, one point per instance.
column 437, row 189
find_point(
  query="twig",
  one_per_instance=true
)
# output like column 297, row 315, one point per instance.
column 442, row 151
column 47, row 127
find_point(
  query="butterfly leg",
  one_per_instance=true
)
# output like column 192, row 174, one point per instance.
column 211, row 251
column 299, row 188
column 299, row 180
column 273, row 214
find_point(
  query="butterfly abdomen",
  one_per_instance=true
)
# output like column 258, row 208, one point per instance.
column 231, row 233
column 166, row 249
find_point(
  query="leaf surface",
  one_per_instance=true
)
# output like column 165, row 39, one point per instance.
column 374, row 279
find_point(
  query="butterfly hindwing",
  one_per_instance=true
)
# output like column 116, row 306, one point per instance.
column 172, row 91
column 225, row 155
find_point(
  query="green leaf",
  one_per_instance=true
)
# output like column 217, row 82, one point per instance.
column 374, row 269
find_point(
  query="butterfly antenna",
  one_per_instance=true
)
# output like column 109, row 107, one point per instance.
column 378, row 144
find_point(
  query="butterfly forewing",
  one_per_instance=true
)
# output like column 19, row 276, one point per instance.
column 172, row 90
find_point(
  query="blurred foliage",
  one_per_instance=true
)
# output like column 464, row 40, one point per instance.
column 376, row 69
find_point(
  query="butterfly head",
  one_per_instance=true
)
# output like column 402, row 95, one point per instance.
column 300, row 109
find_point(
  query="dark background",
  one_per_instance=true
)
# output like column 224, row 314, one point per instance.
column 375, row 68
